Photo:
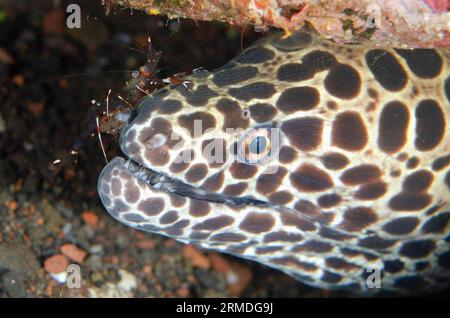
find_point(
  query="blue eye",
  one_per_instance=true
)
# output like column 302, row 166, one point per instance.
column 258, row 145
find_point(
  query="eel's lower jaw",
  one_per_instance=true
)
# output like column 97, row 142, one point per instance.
column 167, row 184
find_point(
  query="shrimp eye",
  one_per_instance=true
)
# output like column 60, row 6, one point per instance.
column 135, row 74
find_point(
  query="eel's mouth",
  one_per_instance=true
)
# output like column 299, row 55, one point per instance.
column 121, row 197
column 167, row 184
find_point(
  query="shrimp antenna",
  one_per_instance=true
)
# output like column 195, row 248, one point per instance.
column 107, row 103
column 100, row 139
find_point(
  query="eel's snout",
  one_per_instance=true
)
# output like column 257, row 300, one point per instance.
column 110, row 186
column 104, row 185
column 131, row 200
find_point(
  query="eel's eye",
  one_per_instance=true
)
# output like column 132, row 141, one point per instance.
column 257, row 145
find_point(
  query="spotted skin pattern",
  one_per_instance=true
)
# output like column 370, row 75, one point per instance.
column 360, row 178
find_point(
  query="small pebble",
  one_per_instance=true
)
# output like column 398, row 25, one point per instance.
column 56, row 264
column 183, row 292
column 28, row 146
column 127, row 281
column 96, row 249
column 19, row 80
column 146, row 244
column 6, row 57
column 238, row 276
column 74, row 253
column 219, row 263
column 36, row 108
column 94, row 262
column 90, row 218
column 197, row 258
column 67, row 228
column 64, row 210
column 238, row 279
column 59, row 277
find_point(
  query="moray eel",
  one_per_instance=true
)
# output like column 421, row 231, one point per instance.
column 327, row 162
